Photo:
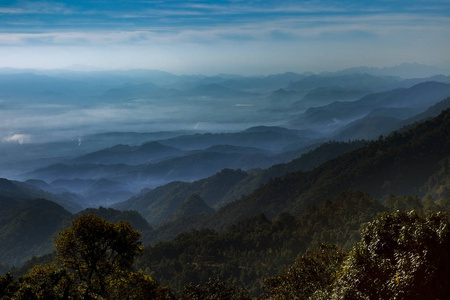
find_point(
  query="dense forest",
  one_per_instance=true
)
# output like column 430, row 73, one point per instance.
column 398, row 255
column 412, row 161
column 369, row 224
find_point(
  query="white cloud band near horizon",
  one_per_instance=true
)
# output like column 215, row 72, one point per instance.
column 244, row 37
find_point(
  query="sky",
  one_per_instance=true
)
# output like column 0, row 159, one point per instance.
column 211, row 37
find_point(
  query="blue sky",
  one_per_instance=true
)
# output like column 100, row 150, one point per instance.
column 246, row 37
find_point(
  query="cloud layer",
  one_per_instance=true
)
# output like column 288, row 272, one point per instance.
column 224, row 36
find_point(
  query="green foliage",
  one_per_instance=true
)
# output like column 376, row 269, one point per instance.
column 339, row 222
column 226, row 186
column 137, row 286
column 438, row 185
column 158, row 204
column 96, row 258
column 95, row 250
column 400, row 256
column 243, row 255
column 257, row 247
column 193, row 205
column 401, row 164
column 403, row 203
column 8, row 286
column 45, row 282
column 311, row 272
column 214, row 289
column 27, row 229
column 114, row 216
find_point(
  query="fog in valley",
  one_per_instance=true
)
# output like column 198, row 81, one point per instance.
column 224, row 149
column 144, row 128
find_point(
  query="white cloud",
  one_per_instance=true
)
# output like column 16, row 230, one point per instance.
column 17, row 138
column 194, row 37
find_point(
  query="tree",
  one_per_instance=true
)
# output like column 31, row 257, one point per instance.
column 96, row 258
column 400, row 256
column 214, row 289
column 45, row 282
column 8, row 286
column 137, row 286
column 311, row 272
column 96, row 251
column 99, row 255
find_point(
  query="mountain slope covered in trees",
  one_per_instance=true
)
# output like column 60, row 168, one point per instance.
column 227, row 185
column 399, row 164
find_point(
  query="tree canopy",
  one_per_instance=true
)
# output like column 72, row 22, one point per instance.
column 95, row 261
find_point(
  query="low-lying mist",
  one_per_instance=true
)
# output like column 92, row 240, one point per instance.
column 96, row 126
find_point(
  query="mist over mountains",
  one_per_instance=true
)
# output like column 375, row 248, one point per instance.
column 172, row 147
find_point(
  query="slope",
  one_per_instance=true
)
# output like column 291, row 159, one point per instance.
column 399, row 164
column 406, row 102
column 19, row 190
column 27, row 229
column 226, row 185
column 130, row 155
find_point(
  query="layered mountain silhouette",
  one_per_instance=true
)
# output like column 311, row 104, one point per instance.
column 400, row 164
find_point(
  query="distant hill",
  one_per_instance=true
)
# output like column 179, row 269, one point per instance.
column 214, row 90
column 27, row 229
column 237, row 149
column 127, row 169
column 400, row 164
column 40, row 87
column 385, row 120
column 20, row 190
column 150, row 152
column 325, row 95
column 112, row 215
column 257, row 83
column 263, row 137
column 406, row 102
column 82, row 171
column 137, row 91
column 160, row 162
column 405, row 70
column 193, row 205
column 429, row 113
column 354, row 81
column 282, row 96
column 366, row 128
column 227, row 185
column 158, row 204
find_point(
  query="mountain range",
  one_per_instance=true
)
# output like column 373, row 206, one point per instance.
column 405, row 162
column 402, row 163
column 291, row 142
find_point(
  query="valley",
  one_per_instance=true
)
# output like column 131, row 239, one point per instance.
column 307, row 159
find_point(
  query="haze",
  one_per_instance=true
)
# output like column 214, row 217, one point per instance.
column 239, row 37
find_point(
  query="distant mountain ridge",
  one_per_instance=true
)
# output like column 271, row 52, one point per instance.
column 22, row 191
column 193, row 205
column 150, row 152
column 413, row 100
column 400, row 164
column 227, row 185
column 404, row 70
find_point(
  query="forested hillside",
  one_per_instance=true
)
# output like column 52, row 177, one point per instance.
column 251, row 240
column 399, row 164
column 228, row 185
column 390, row 258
